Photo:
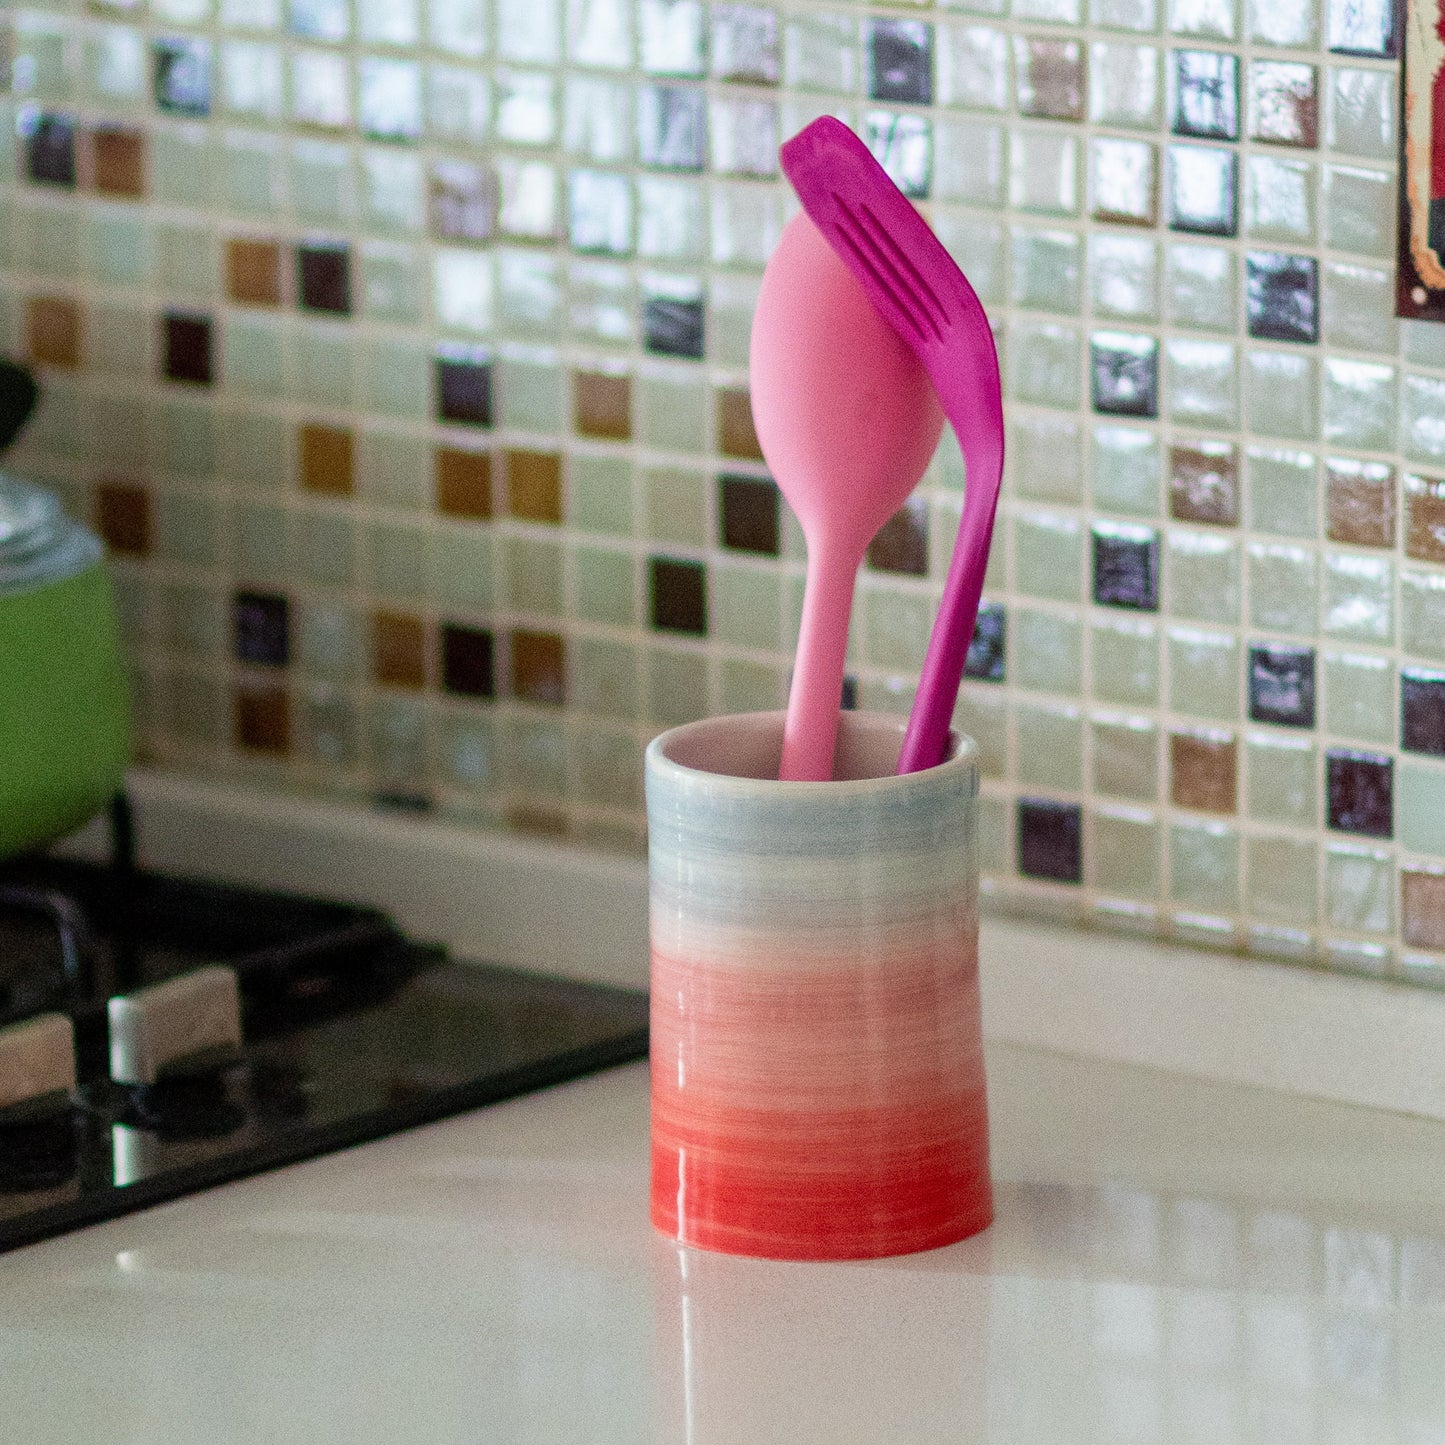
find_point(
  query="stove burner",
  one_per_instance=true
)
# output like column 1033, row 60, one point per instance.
column 39, row 1144
column 71, row 930
column 349, row 1031
column 192, row 1101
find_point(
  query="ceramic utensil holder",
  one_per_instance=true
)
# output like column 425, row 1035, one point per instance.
column 817, row 1063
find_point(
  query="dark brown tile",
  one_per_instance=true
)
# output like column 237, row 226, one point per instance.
column 398, row 649
column 262, row 718
column 534, row 485
column 1281, row 684
column 1204, row 483
column 464, row 483
column 50, row 150
column 1050, row 840
column 464, row 390
column 118, row 160
column 1423, row 906
column 1282, row 296
column 736, row 436
column 323, row 278
column 1204, row 771
column 253, row 272
column 1360, row 792
column 902, row 542
column 52, row 331
column 602, row 405
column 539, row 667
column 261, row 628
column 1126, row 566
column 328, row 459
column 123, row 517
column 468, row 661
column 1360, row 502
column 1422, row 710
column 748, row 507
column 679, row 596
column 1425, row 518
column 187, row 352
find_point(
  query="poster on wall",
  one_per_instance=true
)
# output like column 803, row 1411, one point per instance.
column 1420, row 284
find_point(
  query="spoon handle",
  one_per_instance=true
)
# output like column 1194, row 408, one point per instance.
column 810, row 732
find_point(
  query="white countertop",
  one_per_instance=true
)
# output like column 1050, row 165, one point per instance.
column 1175, row 1262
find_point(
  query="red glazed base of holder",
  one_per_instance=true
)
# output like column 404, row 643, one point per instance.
column 750, row 1199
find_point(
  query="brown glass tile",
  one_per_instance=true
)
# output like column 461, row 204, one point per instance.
column 748, row 508
column 1425, row 518
column 902, row 542
column 1360, row 502
column 1204, row 483
column 262, row 717
column 1203, row 771
column 468, row 661
column 398, row 649
column 118, row 159
column 327, row 459
column 735, row 433
column 543, row 822
column 123, row 517
column 539, row 667
column 52, row 331
column 1423, row 906
column 464, row 483
column 463, row 201
column 602, row 405
column 534, row 485
column 186, row 350
column 1051, row 78
column 253, row 272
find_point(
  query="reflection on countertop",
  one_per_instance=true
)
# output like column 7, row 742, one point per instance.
column 1173, row 1262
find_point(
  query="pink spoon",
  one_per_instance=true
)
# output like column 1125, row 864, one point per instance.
column 915, row 283
column 848, row 420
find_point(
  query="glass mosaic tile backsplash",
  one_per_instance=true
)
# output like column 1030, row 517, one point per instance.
column 399, row 349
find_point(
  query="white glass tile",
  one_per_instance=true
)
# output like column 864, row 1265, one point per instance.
column 1044, row 172
column 1124, row 85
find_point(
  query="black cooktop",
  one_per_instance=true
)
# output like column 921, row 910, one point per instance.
column 349, row 1031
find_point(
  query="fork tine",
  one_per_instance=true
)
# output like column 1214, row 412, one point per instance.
column 903, row 262
column 881, row 267
column 885, row 282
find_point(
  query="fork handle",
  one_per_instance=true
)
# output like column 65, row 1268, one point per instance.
column 926, row 739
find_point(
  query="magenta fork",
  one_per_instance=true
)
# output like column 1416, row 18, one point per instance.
column 920, row 291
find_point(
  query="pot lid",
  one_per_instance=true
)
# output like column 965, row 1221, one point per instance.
column 38, row 542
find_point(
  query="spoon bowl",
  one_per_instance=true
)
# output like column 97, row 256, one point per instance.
column 848, row 420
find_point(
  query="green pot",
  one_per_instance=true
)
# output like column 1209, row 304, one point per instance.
column 64, row 714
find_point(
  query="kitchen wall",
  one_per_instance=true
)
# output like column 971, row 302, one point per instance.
column 399, row 351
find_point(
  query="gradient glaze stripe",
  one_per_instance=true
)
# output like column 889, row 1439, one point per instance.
column 819, row 944
column 755, row 1037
